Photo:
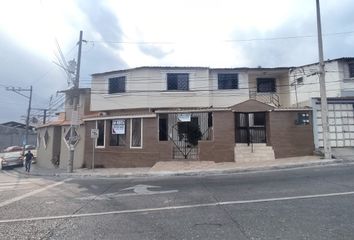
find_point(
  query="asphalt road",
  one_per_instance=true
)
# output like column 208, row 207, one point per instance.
column 307, row 203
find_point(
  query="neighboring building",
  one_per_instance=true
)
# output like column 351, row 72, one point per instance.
column 53, row 147
column 305, row 91
column 14, row 134
column 304, row 81
column 151, row 114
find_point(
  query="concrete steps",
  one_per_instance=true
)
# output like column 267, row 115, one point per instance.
column 259, row 152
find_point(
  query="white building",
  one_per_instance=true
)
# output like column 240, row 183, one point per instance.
column 187, row 87
column 305, row 91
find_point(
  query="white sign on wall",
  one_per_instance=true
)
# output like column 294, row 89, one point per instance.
column 184, row 117
column 118, row 126
column 94, row 133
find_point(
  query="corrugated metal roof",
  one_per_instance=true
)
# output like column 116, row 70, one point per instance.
column 187, row 68
column 344, row 59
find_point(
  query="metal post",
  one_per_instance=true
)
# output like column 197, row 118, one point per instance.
column 75, row 103
column 324, row 106
column 93, row 153
column 44, row 115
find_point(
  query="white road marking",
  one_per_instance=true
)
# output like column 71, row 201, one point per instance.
column 143, row 190
column 177, row 207
column 9, row 174
column 137, row 190
column 7, row 202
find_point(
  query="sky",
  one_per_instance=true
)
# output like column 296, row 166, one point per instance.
column 122, row 34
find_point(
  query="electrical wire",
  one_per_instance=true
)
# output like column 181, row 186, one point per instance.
column 225, row 41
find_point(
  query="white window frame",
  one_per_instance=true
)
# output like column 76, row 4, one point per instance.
column 104, row 134
column 131, row 134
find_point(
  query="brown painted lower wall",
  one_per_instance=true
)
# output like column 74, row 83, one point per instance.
column 287, row 138
column 220, row 149
column 124, row 156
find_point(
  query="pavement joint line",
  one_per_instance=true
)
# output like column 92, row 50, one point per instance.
column 177, row 207
column 9, row 174
column 12, row 183
column 9, row 201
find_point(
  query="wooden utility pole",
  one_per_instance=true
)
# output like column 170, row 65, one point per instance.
column 75, row 95
column 324, row 106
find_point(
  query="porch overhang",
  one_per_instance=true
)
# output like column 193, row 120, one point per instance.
column 127, row 116
column 192, row 110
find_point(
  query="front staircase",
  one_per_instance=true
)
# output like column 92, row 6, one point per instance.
column 253, row 153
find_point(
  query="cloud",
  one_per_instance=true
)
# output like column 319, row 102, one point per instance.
column 20, row 68
column 300, row 50
column 102, row 21
column 154, row 51
column 103, row 54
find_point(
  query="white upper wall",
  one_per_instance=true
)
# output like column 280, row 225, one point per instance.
column 336, row 78
column 146, row 87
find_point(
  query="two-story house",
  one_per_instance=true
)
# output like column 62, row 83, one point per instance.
column 305, row 91
column 151, row 114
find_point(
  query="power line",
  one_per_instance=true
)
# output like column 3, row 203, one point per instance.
column 225, row 41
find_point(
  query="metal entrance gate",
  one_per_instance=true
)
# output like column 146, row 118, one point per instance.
column 250, row 127
column 178, row 133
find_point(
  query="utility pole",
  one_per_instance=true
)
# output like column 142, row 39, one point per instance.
column 75, row 95
column 44, row 113
column 324, row 106
column 18, row 91
column 28, row 116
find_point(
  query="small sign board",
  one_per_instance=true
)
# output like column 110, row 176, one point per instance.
column 184, row 117
column 118, row 126
column 94, row 133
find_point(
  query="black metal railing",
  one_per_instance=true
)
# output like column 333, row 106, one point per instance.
column 265, row 97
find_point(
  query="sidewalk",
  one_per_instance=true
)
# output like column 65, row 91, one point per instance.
column 187, row 168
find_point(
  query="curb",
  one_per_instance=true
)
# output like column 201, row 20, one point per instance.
column 326, row 162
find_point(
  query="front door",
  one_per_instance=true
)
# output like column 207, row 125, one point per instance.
column 250, row 127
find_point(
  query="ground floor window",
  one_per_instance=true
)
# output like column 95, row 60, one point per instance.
column 136, row 133
column 163, row 127
column 100, row 125
column 118, row 132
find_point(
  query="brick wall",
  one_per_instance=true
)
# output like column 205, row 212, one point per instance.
column 287, row 138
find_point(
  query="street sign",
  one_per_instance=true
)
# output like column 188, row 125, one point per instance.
column 94, row 133
column 72, row 141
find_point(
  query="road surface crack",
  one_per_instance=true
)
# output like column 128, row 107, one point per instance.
column 222, row 207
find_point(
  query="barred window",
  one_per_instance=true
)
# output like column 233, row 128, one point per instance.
column 351, row 70
column 178, row 81
column 228, row 81
column 116, row 85
column 266, row 85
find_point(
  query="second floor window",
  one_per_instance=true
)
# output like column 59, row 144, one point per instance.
column 228, row 81
column 351, row 70
column 178, row 81
column 116, row 85
column 265, row 85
